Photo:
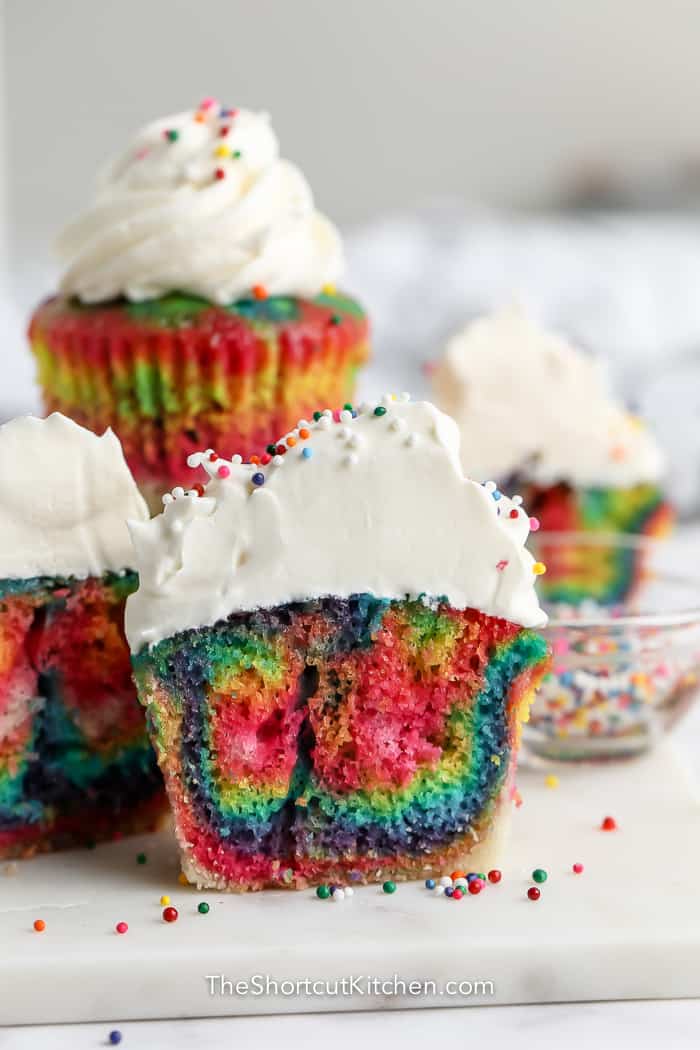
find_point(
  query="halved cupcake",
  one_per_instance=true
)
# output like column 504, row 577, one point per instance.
column 536, row 416
column 335, row 648
column 75, row 761
column 198, row 307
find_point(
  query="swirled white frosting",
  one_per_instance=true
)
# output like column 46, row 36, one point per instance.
column 65, row 495
column 528, row 403
column 201, row 203
column 374, row 504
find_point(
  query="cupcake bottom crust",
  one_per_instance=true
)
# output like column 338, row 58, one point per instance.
column 76, row 766
column 347, row 740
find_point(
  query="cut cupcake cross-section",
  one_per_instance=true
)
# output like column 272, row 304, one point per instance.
column 336, row 645
column 75, row 760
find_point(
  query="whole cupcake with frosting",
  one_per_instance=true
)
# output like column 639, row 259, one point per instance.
column 198, row 306
column 336, row 649
column 536, row 415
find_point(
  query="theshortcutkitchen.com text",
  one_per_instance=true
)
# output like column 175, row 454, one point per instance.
column 261, row 985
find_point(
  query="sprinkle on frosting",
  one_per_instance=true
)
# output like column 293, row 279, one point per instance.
column 528, row 403
column 364, row 516
column 65, row 495
column 201, row 203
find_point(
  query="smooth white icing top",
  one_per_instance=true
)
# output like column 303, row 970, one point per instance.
column 381, row 506
column 527, row 402
column 65, row 495
column 163, row 221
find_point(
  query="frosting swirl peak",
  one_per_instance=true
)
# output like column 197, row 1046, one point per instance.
column 202, row 203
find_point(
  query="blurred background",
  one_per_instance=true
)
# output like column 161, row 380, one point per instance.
column 472, row 153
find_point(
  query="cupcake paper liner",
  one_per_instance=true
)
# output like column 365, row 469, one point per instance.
column 177, row 375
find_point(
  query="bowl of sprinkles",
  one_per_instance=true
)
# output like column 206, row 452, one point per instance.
column 625, row 671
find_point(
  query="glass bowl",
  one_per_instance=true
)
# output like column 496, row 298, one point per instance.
column 624, row 671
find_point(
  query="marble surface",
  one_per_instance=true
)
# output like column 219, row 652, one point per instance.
column 585, row 932
column 576, row 1026
column 637, row 1025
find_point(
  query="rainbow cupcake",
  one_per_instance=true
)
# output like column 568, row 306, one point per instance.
column 334, row 685
column 75, row 762
column 199, row 307
column 536, row 415
column 596, row 542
